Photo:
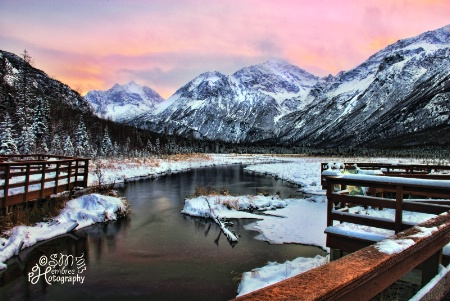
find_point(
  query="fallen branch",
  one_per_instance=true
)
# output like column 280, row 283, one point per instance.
column 231, row 236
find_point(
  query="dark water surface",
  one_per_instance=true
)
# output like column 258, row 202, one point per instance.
column 158, row 253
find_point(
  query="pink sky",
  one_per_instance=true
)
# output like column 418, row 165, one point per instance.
column 165, row 43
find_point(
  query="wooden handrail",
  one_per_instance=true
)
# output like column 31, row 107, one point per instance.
column 406, row 170
column 367, row 272
column 23, row 174
column 400, row 186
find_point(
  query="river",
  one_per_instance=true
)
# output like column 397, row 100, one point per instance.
column 158, row 253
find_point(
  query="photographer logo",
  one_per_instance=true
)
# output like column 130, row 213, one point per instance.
column 58, row 268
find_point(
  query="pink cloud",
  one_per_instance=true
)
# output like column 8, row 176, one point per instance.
column 91, row 45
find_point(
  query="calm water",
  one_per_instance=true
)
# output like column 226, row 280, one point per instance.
column 158, row 253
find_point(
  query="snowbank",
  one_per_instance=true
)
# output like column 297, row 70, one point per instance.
column 226, row 206
column 304, row 174
column 303, row 221
column 78, row 213
column 274, row 272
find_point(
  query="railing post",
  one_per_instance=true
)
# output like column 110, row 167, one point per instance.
column 398, row 208
column 69, row 174
column 329, row 202
column 77, row 166
column 57, row 176
column 430, row 267
column 41, row 193
column 86, row 173
column 27, row 182
column 6, row 188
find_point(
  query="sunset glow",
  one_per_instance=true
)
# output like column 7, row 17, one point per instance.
column 165, row 43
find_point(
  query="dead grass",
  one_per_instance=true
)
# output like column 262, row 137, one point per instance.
column 46, row 209
column 187, row 157
column 33, row 212
column 199, row 191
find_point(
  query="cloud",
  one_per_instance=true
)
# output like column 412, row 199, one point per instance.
column 94, row 44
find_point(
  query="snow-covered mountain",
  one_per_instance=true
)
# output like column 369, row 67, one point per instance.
column 123, row 101
column 400, row 96
column 243, row 107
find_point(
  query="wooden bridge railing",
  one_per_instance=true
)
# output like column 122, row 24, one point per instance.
column 365, row 273
column 370, row 269
column 422, row 171
column 337, row 193
column 28, row 177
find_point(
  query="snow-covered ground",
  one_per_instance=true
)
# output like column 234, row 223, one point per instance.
column 300, row 221
column 78, row 213
column 95, row 208
column 117, row 171
column 274, row 272
column 114, row 170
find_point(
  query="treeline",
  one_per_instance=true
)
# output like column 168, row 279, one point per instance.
column 42, row 115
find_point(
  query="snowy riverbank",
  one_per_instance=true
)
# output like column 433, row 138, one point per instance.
column 301, row 221
column 78, row 213
column 122, row 170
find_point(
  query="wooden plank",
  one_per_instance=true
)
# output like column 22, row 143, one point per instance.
column 365, row 200
column 363, row 220
column 345, row 243
column 424, row 207
column 399, row 209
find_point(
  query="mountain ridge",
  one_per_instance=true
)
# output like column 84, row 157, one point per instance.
column 122, row 101
column 400, row 91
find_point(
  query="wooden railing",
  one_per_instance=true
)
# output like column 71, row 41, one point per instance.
column 369, row 270
column 422, row 171
column 365, row 273
column 29, row 177
column 337, row 193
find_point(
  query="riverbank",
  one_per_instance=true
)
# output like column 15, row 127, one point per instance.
column 77, row 214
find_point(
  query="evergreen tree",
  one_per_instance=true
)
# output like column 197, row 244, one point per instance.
column 7, row 144
column 116, row 149
column 24, row 103
column 26, row 141
column 158, row 146
column 68, row 147
column 56, row 148
column 41, row 122
column 150, row 147
column 82, row 146
column 127, row 147
column 106, row 147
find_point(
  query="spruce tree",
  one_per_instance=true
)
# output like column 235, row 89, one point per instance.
column 68, row 147
column 7, row 144
column 106, row 147
column 82, row 145
column 56, row 147
column 41, row 123
column 26, row 141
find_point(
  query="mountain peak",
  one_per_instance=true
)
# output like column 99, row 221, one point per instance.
column 123, row 101
column 276, row 62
